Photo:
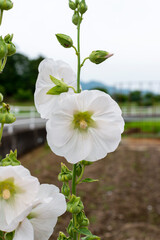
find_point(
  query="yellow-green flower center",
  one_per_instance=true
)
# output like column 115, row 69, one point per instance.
column 83, row 120
column 6, row 194
column 7, row 189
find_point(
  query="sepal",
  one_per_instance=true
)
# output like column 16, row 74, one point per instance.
column 99, row 56
column 10, row 46
column 82, row 219
column 78, row 169
column 3, row 48
column 65, row 175
column 70, row 228
column 65, row 189
column 65, row 40
column 62, row 236
column 75, row 205
column 10, row 159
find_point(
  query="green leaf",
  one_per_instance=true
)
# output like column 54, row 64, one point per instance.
column 89, row 180
column 55, row 80
column 84, row 231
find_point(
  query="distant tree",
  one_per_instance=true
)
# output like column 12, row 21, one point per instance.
column 100, row 89
column 120, row 97
column 19, row 75
column 148, row 99
column 135, row 96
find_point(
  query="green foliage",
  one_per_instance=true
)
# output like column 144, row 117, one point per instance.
column 19, row 76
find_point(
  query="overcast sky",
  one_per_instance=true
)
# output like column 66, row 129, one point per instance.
column 128, row 28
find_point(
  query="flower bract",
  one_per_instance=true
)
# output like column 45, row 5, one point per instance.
column 59, row 70
column 85, row 126
column 18, row 189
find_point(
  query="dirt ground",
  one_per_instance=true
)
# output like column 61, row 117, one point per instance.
column 125, row 203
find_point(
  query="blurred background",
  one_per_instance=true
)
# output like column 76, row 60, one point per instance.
column 125, row 203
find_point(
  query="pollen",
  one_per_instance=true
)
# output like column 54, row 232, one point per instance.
column 83, row 124
column 6, row 194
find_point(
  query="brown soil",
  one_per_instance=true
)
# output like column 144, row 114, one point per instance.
column 125, row 203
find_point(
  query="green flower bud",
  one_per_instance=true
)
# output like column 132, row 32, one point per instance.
column 75, row 205
column 11, row 159
column 65, row 175
column 65, row 189
column 3, row 48
column 72, row 5
column 75, row 18
column 99, row 56
column 86, row 163
column 76, row 2
column 64, row 40
column 78, row 169
column 60, row 87
column 70, row 228
column 82, row 220
column 62, row 236
column 5, row 115
column 82, row 7
column 1, row 97
column 10, row 46
column 5, row 4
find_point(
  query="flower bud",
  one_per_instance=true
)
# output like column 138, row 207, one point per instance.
column 82, row 219
column 64, row 40
column 86, row 163
column 75, row 205
column 10, row 159
column 5, row 115
column 78, row 169
column 3, row 48
column 65, row 189
column 10, row 46
column 70, row 228
column 76, row 2
column 1, row 97
column 65, row 175
column 99, row 56
column 82, row 8
column 5, row 4
column 72, row 5
column 75, row 18
column 62, row 236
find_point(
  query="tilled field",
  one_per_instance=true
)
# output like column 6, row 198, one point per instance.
column 125, row 203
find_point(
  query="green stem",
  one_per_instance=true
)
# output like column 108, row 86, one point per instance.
column 73, row 89
column 1, row 15
column 79, row 57
column 84, row 61
column 1, row 131
column 78, row 91
column 74, row 192
column 75, row 50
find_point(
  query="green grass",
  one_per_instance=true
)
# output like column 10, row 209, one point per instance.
column 144, row 126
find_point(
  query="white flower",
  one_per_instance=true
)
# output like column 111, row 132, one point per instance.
column 18, row 189
column 39, row 224
column 85, row 126
column 58, row 69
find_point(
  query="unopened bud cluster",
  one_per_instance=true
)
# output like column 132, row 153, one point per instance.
column 79, row 7
column 7, row 48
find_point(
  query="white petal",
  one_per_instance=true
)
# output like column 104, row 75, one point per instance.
column 52, row 205
column 24, row 231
